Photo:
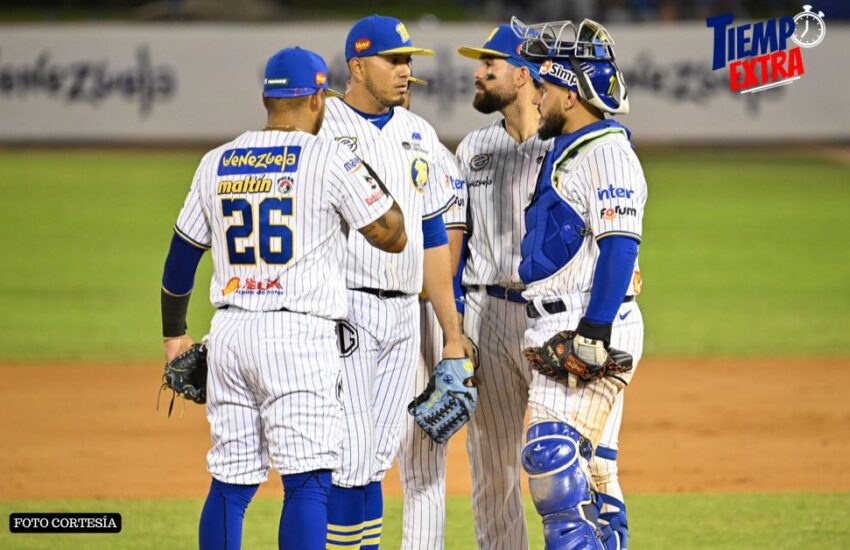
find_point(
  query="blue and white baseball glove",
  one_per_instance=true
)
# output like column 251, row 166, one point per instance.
column 449, row 400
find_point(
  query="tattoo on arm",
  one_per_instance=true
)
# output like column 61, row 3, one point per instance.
column 397, row 233
column 388, row 230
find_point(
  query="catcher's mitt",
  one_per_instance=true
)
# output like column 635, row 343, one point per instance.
column 449, row 400
column 568, row 353
column 186, row 376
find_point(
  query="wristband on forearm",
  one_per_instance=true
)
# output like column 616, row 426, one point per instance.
column 594, row 331
column 174, row 310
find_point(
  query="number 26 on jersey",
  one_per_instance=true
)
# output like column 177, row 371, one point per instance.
column 275, row 239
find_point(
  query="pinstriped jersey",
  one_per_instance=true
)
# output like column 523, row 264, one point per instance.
column 500, row 175
column 601, row 179
column 406, row 155
column 455, row 217
column 270, row 205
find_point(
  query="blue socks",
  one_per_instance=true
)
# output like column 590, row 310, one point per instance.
column 346, row 513
column 374, row 517
column 304, row 519
column 222, row 516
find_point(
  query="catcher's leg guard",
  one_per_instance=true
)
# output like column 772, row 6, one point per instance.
column 613, row 524
column 559, row 487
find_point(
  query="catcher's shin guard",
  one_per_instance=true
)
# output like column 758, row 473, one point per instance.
column 613, row 524
column 559, row 487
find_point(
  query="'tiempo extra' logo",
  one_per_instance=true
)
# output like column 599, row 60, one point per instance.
column 758, row 54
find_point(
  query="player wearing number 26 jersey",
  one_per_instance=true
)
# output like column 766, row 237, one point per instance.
column 270, row 205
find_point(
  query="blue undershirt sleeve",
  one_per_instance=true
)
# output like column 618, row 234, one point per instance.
column 178, row 277
column 460, row 305
column 614, row 269
column 434, row 232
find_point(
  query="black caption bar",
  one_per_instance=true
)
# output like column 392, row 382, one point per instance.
column 106, row 522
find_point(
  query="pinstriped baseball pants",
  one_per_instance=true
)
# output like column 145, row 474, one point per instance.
column 377, row 385
column 272, row 395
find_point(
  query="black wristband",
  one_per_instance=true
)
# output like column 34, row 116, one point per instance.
column 174, row 310
column 594, row 331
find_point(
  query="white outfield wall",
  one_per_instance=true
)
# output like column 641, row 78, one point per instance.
column 202, row 83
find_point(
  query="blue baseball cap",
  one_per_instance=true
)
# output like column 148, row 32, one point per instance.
column 503, row 43
column 380, row 35
column 293, row 72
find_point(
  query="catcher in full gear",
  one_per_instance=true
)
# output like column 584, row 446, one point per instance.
column 579, row 265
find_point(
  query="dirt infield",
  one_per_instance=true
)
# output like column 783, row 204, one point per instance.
column 91, row 431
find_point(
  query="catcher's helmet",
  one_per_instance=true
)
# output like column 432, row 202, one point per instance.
column 580, row 58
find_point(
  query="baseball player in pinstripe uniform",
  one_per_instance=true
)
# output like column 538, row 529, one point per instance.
column 579, row 264
column 270, row 204
column 500, row 163
column 421, row 462
column 380, row 341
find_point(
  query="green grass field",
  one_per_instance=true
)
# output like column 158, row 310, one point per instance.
column 659, row 522
column 743, row 255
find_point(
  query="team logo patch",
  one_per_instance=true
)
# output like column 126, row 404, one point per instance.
column 321, row 78
column 346, row 338
column 285, row 184
column 259, row 160
column 419, row 173
column 362, row 45
column 402, row 32
column 348, row 141
column 480, row 162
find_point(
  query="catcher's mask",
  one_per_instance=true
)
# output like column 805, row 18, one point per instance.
column 580, row 58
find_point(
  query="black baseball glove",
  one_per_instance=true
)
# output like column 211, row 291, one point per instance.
column 568, row 353
column 186, row 376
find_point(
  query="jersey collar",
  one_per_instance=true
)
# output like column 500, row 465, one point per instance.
column 379, row 121
column 567, row 142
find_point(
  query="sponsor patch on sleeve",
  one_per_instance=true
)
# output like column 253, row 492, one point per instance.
column 353, row 164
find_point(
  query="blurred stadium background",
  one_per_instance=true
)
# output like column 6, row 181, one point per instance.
column 107, row 106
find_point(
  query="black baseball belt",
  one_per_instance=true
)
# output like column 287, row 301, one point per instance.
column 555, row 306
column 504, row 293
column 382, row 294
